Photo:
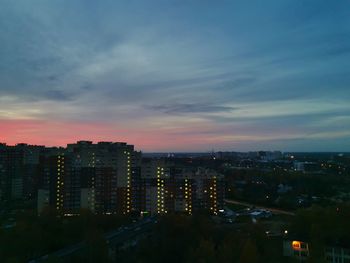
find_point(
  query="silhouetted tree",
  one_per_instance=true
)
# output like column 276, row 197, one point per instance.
column 249, row 252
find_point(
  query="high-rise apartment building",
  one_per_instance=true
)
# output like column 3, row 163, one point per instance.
column 92, row 176
column 167, row 188
column 19, row 171
column 106, row 178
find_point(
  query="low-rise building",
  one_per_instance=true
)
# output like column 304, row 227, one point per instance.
column 297, row 249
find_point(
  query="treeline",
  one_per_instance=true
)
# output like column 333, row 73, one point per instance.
column 34, row 236
column 261, row 187
column 197, row 239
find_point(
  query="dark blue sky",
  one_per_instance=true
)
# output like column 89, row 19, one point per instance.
column 177, row 75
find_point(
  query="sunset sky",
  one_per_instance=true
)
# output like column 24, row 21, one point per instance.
column 180, row 75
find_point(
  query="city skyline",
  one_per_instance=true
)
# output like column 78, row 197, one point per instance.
column 208, row 151
column 177, row 76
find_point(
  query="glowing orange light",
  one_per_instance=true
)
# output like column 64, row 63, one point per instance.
column 296, row 244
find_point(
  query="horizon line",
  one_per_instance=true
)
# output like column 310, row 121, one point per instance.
column 173, row 152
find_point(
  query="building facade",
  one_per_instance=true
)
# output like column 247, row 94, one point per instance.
column 106, row 178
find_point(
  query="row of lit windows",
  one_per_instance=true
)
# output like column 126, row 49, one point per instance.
column 160, row 190
column 128, row 186
column 60, row 183
column 213, row 196
column 188, row 199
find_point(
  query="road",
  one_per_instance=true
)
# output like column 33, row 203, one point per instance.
column 273, row 210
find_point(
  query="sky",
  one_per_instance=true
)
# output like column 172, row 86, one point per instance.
column 177, row 75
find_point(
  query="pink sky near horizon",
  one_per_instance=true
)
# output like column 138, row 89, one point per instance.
column 184, row 137
column 54, row 133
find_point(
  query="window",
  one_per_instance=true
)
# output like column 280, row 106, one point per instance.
column 303, row 245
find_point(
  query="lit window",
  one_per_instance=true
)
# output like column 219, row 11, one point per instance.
column 296, row 244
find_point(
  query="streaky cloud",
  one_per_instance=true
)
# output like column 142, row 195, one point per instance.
column 180, row 108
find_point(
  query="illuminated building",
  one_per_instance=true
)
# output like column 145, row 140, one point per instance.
column 210, row 190
column 154, row 175
column 136, row 189
column 296, row 248
column 333, row 252
column 171, row 189
column 182, row 191
column 109, row 187
column 112, row 178
column 97, row 177
column 52, row 171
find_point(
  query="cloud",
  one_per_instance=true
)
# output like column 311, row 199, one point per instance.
column 190, row 108
column 57, row 95
column 179, row 69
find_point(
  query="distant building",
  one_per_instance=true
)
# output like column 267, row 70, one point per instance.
column 336, row 254
column 270, row 156
column 306, row 166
